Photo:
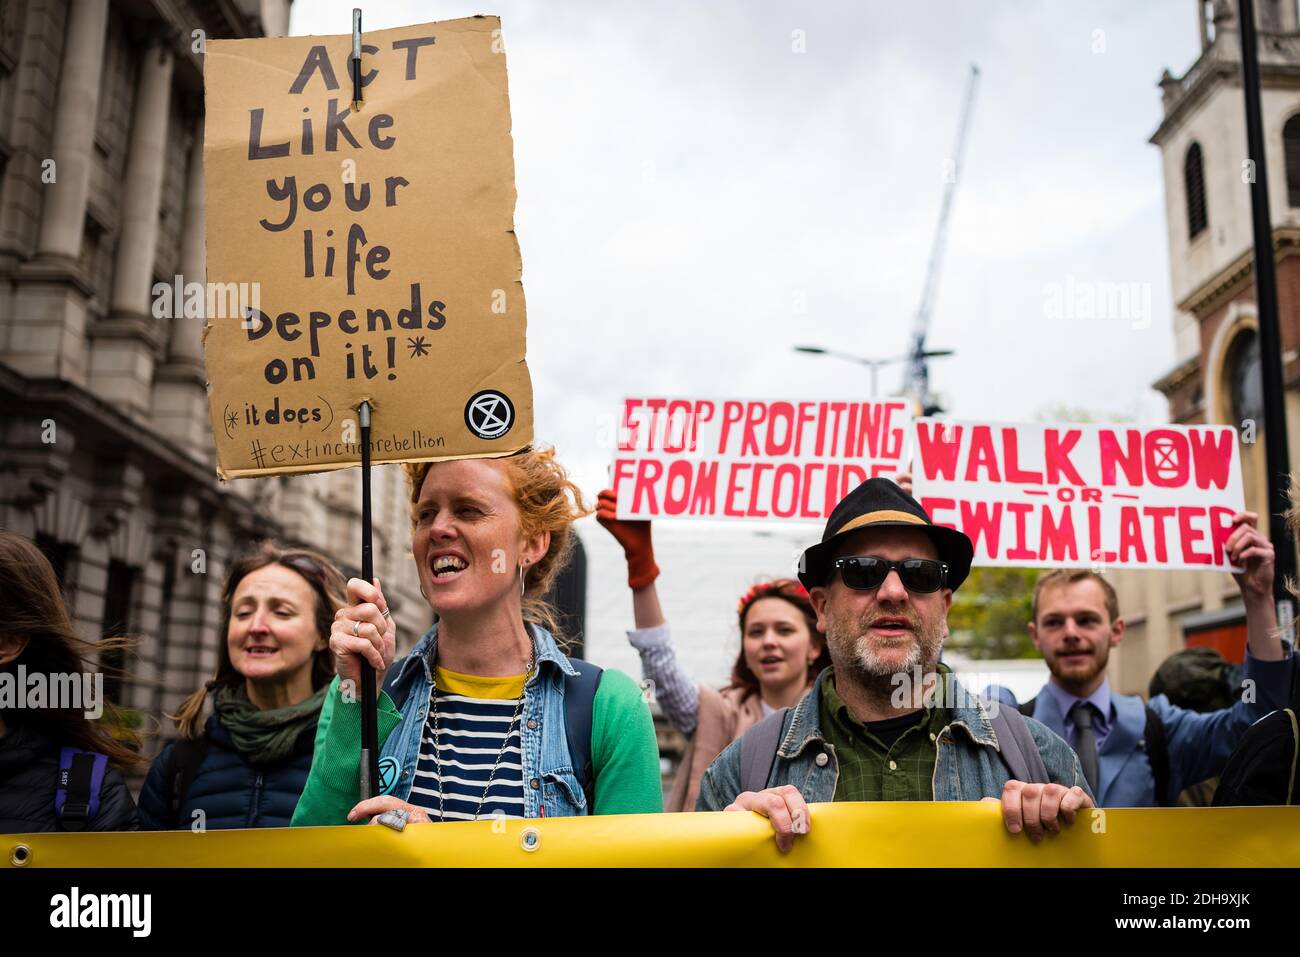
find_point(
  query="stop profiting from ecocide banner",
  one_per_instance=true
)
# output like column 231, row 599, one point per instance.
column 1048, row 495
column 752, row 459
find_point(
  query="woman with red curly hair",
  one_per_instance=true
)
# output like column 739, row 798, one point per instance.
column 486, row 717
column 781, row 653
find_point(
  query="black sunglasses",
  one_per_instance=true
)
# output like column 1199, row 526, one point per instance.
column 868, row 572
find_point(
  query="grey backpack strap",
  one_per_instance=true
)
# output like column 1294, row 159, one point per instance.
column 1019, row 751
column 758, row 751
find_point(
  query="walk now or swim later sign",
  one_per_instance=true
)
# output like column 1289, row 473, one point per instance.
column 1047, row 495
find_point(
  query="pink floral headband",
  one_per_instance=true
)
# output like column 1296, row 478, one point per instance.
column 779, row 587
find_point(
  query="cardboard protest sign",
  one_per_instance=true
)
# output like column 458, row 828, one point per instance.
column 362, row 251
column 1044, row 495
column 752, row 459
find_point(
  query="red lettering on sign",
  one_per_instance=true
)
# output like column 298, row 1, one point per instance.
column 1114, row 458
column 1221, row 529
column 679, row 476
column 1166, row 458
column 1011, row 461
column 705, row 501
column 1130, row 535
column 805, row 509
column 1056, row 451
column 755, row 414
column 728, row 505
column 938, row 445
column 732, row 412
column 1190, row 536
column 790, row 471
column 1159, row 514
column 784, row 412
column 982, row 455
column 654, row 405
column 1056, row 541
column 754, row 511
column 982, row 520
column 933, row 506
column 1212, row 457
column 647, row 473
column 1020, row 510
column 628, row 430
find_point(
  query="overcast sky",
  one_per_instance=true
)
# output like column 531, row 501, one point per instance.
column 686, row 178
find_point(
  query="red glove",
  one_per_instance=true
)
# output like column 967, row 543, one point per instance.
column 634, row 536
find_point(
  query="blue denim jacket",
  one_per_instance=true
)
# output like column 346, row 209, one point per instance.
column 967, row 765
column 551, row 787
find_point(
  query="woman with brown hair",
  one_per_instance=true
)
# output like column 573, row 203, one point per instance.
column 246, row 766
column 60, row 767
column 781, row 654
column 487, row 717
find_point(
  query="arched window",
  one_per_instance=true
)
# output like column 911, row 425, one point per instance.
column 1291, row 149
column 1194, row 186
column 1245, row 387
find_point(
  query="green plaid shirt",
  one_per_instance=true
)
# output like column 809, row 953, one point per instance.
column 870, row 771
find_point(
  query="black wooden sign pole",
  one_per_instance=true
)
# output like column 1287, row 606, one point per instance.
column 369, row 695
column 369, row 767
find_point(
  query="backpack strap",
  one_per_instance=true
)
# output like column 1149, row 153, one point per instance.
column 579, row 702
column 1157, row 748
column 758, row 747
column 1016, row 742
column 182, row 765
column 76, row 794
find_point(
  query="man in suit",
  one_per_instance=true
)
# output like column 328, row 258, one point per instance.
column 1124, row 745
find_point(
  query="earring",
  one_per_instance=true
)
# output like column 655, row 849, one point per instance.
column 522, row 587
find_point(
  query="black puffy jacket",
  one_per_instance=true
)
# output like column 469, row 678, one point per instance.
column 229, row 790
column 29, row 770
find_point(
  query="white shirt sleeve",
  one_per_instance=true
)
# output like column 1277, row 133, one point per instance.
column 677, row 693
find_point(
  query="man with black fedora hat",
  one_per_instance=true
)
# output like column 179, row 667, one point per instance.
column 888, row 721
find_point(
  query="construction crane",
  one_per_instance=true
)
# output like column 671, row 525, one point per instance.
column 916, row 381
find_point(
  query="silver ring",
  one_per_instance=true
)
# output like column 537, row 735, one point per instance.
column 387, row 613
column 356, row 629
column 397, row 818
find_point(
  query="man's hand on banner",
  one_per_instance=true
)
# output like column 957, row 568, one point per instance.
column 363, row 629
column 1036, row 808
column 375, row 806
column 904, row 480
column 1251, row 551
column 634, row 536
column 783, row 806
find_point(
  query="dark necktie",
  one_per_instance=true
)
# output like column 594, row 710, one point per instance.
column 1085, row 741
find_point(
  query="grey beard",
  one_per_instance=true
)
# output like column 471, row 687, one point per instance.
column 876, row 680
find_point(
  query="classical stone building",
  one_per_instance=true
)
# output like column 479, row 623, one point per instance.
column 1202, row 140
column 106, row 457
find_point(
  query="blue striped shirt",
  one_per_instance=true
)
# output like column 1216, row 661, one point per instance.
column 474, row 716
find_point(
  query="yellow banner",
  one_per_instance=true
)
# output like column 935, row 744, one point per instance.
column 842, row 835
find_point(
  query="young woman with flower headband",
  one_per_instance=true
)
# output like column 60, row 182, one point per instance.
column 781, row 653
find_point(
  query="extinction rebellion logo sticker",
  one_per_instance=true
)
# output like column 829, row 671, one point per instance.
column 489, row 414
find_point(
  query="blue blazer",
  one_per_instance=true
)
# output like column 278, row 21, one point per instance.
column 1199, row 744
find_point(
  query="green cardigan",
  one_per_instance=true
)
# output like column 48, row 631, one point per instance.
column 624, row 754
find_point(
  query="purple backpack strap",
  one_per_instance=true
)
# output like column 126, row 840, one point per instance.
column 76, row 798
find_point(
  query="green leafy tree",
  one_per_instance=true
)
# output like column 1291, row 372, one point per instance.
column 989, row 613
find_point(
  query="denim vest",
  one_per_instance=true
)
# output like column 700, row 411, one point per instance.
column 551, row 786
column 968, row 764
